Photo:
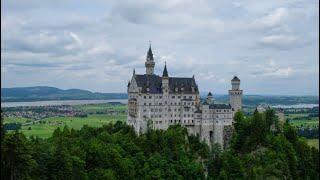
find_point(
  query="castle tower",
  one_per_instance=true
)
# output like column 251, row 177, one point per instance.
column 235, row 94
column 209, row 98
column 165, row 80
column 149, row 62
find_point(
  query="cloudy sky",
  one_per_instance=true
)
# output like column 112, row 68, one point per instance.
column 94, row 45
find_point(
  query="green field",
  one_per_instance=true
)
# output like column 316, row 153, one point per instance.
column 313, row 143
column 46, row 129
column 16, row 120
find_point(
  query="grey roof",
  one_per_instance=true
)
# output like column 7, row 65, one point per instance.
column 154, row 83
column 209, row 94
column 220, row 106
column 235, row 78
column 150, row 55
column 165, row 71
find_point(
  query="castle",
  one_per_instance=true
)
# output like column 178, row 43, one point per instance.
column 160, row 101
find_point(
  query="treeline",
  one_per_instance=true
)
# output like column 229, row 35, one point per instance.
column 254, row 100
column 260, row 149
column 309, row 133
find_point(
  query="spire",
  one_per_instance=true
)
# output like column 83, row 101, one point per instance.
column 165, row 71
column 134, row 71
column 209, row 94
column 150, row 54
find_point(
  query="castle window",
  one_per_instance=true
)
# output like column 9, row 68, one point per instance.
column 160, row 97
column 192, row 103
column 188, row 115
column 160, row 116
column 151, row 116
column 149, row 97
column 144, row 97
column 184, row 115
column 171, row 121
column 145, row 103
column 178, row 97
column 192, row 121
column 190, row 97
column 184, row 97
column 175, row 103
column 173, row 97
column 191, row 115
column 149, row 104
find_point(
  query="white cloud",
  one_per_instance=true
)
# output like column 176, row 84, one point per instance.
column 95, row 45
column 272, row 69
column 275, row 18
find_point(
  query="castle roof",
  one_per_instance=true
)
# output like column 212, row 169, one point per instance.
column 165, row 71
column 209, row 94
column 220, row 106
column 235, row 78
column 154, row 83
column 150, row 54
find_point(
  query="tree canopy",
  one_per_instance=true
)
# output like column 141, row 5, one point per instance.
column 260, row 148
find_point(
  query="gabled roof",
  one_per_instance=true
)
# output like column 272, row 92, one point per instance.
column 154, row 83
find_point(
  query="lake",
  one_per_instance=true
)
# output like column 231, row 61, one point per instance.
column 61, row 102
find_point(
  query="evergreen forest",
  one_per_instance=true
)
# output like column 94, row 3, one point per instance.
column 261, row 148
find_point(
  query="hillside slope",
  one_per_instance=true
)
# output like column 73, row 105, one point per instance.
column 39, row 93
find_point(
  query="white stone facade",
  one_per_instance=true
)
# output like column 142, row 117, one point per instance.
column 160, row 101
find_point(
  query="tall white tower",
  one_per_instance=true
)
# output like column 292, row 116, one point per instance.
column 235, row 94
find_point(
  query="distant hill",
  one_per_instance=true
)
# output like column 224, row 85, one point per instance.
column 42, row 93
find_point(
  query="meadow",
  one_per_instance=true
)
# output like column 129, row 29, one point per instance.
column 313, row 143
column 302, row 120
column 97, row 116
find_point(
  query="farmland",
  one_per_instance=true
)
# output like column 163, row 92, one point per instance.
column 95, row 115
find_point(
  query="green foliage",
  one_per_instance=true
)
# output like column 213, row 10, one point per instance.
column 260, row 149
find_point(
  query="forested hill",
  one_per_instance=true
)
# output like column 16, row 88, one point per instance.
column 41, row 93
